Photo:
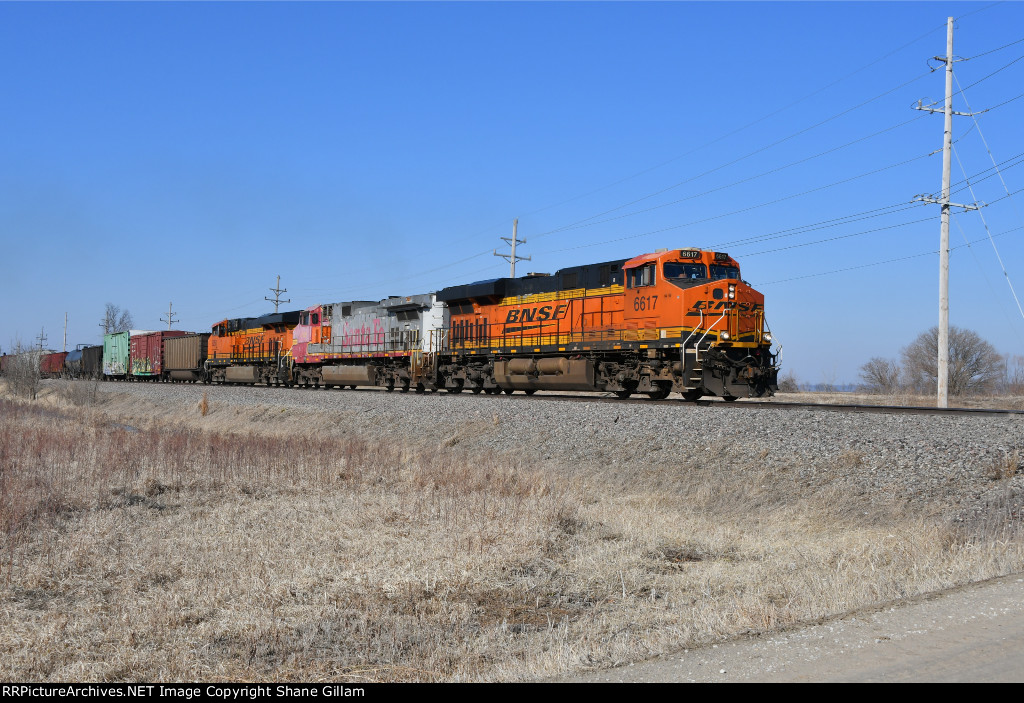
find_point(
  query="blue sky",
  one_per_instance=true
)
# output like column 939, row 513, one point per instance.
column 192, row 152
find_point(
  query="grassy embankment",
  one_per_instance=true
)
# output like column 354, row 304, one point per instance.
column 183, row 548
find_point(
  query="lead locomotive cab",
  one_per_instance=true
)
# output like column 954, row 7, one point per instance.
column 698, row 302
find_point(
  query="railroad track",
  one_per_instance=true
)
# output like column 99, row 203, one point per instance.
column 717, row 403
column 713, row 403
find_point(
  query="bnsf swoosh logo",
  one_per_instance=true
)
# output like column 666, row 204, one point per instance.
column 538, row 313
column 727, row 305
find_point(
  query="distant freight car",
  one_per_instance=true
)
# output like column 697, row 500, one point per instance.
column 92, row 361
column 86, row 361
column 117, row 353
column 73, row 363
column 7, row 362
column 185, row 358
column 146, row 357
column 51, row 364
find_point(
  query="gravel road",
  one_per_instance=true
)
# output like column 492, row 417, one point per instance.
column 975, row 633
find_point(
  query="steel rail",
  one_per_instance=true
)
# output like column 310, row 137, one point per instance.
column 708, row 402
column 716, row 403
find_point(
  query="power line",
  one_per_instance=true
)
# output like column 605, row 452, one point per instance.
column 992, row 51
column 708, row 172
column 982, row 80
column 880, row 263
column 837, row 238
column 744, row 209
column 580, row 223
column 981, row 270
column 982, row 215
column 1004, row 102
column 823, row 224
column 735, row 183
column 753, row 123
column 739, row 130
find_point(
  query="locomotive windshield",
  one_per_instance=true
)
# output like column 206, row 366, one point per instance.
column 686, row 271
column 719, row 272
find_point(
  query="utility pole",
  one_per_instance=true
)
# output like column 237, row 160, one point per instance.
column 513, row 258
column 41, row 338
column 170, row 316
column 65, row 332
column 277, row 291
column 942, row 400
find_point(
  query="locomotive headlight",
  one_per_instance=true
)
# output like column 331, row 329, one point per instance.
column 767, row 337
column 725, row 336
column 732, row 291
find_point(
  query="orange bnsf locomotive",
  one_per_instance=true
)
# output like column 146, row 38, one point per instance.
column 673, row 321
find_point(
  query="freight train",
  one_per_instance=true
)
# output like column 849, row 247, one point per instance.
column 679, row 320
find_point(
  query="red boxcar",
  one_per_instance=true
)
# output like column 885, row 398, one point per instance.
column 146, row 358
column 51, row 365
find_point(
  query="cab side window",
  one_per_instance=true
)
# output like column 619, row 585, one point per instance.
column 642, row 276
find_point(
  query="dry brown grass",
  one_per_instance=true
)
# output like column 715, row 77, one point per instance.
column 146, row 543
column 904, row 399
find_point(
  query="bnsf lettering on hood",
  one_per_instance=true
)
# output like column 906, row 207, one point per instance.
column 538, row 313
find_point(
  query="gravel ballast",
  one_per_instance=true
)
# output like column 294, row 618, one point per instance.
column 958, row 463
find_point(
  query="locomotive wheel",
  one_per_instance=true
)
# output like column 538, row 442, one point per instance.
column 729, row 398
column 457, row 389
column 660, row 394
column 420, row 388
column 405, row 387
column 478, row 391
column 530, row 391
column 509, row 391
column 623, row 394
column 692, row 396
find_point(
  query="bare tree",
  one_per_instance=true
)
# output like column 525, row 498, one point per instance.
column 1013, row 382
column 21, row 370
column 880, row 376
column 974, row 364
column 116, row 320
column 788, row 383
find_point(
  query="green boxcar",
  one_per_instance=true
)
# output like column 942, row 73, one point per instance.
column 115, row 354
column 116, row 350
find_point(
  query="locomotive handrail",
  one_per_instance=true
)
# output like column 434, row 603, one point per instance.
column 694, row 330
column 697, row 345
